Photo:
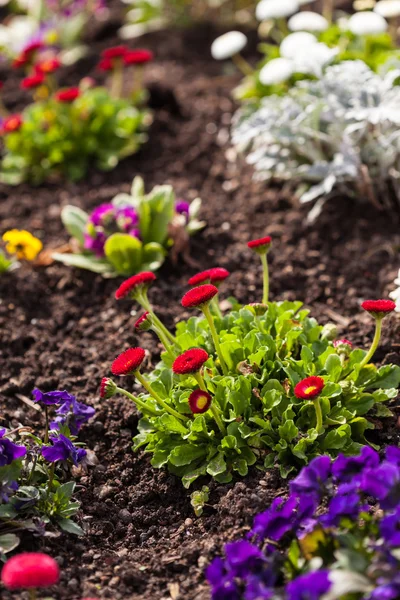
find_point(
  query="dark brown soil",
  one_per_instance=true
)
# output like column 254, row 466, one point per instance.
column 61, row 328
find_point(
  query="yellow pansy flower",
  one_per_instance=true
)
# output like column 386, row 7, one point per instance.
column 22, row 243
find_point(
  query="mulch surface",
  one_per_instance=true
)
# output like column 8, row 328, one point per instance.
column 60, row 328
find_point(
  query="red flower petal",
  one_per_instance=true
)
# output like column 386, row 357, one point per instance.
column 190, row 361
column 115, row 52
column 32, row 81
column 129, row 285
column 48, row 66
column 68, row 95
column 143, row 323
column 30, row 570
column 379, row 308
column 106, row 64
column 199, row 401
column 261, row 245
column 107, row 388
column 199, row 295
column 128, row 362
column 12, row 123
column 138, row 57
column 342, row 342
column 200, row 278
column 309, row 388
column 218, row 274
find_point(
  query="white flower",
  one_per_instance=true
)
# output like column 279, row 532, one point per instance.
column 301, row 2
column 295, row 42
column 366, row 23
column 17, row 32
column 388, row 8
column 276, row 9
column 276, row 71
column 227, row 45
column 312, row 59
column 395, row 295
column 308, row 21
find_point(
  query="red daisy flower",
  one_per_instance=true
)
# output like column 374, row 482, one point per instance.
column 106, row 64
column 199, row 296
column 48, row 66
column 138, row 57
column 309, row 388
column 12, row 123
column 262, row 245
column 128, row 362
column 31, row 48
column 68, row 95
column 107, row 388
column 199, row 401
column 30, row 570
column 190, row 361
column 199, row 278
column 379, row 308
column 115, row 52
column 32, row 82
column 131, row 285
column 342, row 342
column 218, row 274
column 144, row 322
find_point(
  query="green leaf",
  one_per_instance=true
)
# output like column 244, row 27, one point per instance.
column 333, row 367
column 8, row 542
column 82, row 261
column 217, row 465
column 70, row 527
column 186, row 454
column 153, row 256
column 124, row 252
column 288, row 431
column 75, row 220
column 338, row 438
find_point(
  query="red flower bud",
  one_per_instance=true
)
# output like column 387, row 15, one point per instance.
column 138, row 57
column 31, row 48
column 128, row 362
column 200, row 278
column 199, row 296
column 107, row 388
column 199, row 401
column 309, row 388
column 106, row 64
column 342, row 342
column 144, row 322
column 134, row 284
column 262, row 245
column 68, row 95
column 32, row 82
column 12, row 123
column 48, row 66
column 258, row 308
column 218, row 274
column 30, row 570
column 115, row 52
column 379, row 308
column 190, row 361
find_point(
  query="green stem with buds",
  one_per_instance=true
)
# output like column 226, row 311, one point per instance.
column 145, row 303
column 215, row 410
column 139, row 403
column 264, row 261
column 163, row 339
column 375, row 343
column 318, row 412
column 206, row 311
column 157, row 398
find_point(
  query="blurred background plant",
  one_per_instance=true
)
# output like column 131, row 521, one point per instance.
column 133, row 232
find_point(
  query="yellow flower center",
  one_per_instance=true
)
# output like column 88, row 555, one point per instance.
column 202, row 402
column 310, row 389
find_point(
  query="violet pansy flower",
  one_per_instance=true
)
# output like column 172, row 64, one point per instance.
column 62, row 449
column 51, row 398
column 9, row 451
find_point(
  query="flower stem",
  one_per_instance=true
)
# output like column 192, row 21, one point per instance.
column 199, row 378
column 215, row 306
column 163, row 339
column 145, row 303
column 318, row 412
column 46, row 435
column 51, row 477
column 216, row 412
column 264, row 261
column 117, row 82
column 157, row 398
column 139, row 403
column 32, row 594
column 375, row 343
column 242, row 64
column 210, row 320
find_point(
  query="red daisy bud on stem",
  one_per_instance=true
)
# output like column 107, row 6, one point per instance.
column 12, row 123
column 135, row 284
column 218, row 275
column 309, row 388
column 261, row 246
column 48, row 66
column 115, row 52
column 107, row 388
column 258, row 308
column 138, row 57
column 30, row 570
column 199, row 401
column 32, row 82
column 379, row 308
column 190, row 361
column 200, row 278
column 199, row 296
column 342, row 342
column 128, row 362
column 144, row 323
column 68, row 95
column 106, row 64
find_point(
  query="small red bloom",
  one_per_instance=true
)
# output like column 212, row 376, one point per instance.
column 115, row 52
column 48, row 66
column 309, row 388
column 379, row 308
column 31, row 48
column 144, row 322
column 342, row 342
column 138, row 57
column 200, row 278
column 68, row 95
column 19, row 62
column 30, row 570
column 133, row 283
column 218, row 274
column 199, row 295
column 106, row 64
column 107, row 388
column 128, row 362
column 190, row 361
column 12, row 123
column 199, row 401
column 262, row 245
column 32, row 82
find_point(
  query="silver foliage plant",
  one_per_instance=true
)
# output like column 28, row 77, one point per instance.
column 336, row 135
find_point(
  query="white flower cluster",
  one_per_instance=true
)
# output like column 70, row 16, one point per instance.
column 340, row 133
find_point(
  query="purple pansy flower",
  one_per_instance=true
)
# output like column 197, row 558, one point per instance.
column 223, row 584
column 73, row 414
column 383, row 483
column 135, row 233
column 284, row 516
column 312, row 477
column 9, row 451
column 102, row 215
column 309, row 587
column 182, row 208
column 345, row 503
column 242, row 557
column 346, row 468
column 95, row 244
column 62, row 449
column 393, row 455
column 50, row 398
column 127, row 217
column 390, row 528
column 7, row 489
